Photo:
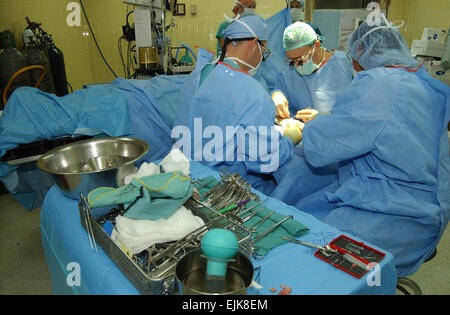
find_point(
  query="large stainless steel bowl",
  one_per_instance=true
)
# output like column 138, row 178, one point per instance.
column 82, row 166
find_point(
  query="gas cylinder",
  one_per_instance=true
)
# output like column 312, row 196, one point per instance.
column 36, row 57
column 11, row 61
column 57, row 65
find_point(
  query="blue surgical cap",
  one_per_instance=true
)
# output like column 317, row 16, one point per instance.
column 247, row 26
column 382, row 46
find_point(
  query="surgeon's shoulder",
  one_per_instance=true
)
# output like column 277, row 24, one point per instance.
column 341, row 55
column 376, row 83
column 239, row 78
column 382, row 74
column 342, row 58
column 256, row 86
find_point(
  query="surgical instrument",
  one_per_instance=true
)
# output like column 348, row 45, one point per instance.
column 87, row 218
column 322, row 248
column 252, row 207
column 271, row 229
column 249, row 216
column 256, row 225
column 232, row 207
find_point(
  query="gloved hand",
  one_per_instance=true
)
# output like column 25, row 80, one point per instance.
column 281, row 104
column 292, row 130
column 307, row 114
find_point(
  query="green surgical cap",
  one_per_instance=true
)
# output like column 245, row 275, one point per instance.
column 298, row 35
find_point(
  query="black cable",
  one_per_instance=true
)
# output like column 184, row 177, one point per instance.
column 223, row 52
column 61, row 77
column 128, row 61
column 128, row 14
column 95, row 40
column 125, row 70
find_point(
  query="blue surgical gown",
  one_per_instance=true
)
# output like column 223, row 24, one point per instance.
column 318, row 90
column 388, row 132
column 226, row 100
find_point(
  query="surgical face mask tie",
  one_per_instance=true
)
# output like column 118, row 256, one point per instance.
column 309, row 67
column 297, row 14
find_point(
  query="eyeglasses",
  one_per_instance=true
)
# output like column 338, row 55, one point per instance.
column 293, row 62
column 266, row 51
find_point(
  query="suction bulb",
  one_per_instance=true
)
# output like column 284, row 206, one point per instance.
column 219, row 247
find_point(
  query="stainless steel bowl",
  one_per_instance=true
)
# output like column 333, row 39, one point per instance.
column 82, row 166
column 191, row 269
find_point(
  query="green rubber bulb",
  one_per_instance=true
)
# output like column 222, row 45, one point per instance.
column 219, row 246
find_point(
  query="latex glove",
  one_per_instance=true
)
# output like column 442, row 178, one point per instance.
column 282, row 105
column 291, row 122
column 307, row 114
column 292, row 130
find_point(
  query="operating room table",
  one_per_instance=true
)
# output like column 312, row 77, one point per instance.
column 67, row 249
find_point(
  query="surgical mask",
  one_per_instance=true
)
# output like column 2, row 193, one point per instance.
column 297, row 14
column 309, row 67
column 249, row 11
column 253, row 70
column 246, row 10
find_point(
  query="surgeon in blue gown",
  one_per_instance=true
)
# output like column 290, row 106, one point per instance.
column 316, row 74
column 294, row 12
column 388, row 132
column 309, row 86
column 222, row 103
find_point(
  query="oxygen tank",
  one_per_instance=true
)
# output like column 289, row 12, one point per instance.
column 11, row 61
column 58, row 69
column 51, row 53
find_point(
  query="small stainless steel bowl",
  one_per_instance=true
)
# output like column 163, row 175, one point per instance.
column 82, row 166
column 190, row 274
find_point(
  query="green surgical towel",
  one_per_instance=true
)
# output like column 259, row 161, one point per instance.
column 290, row 228
column 206, row 184
column 151, row 198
